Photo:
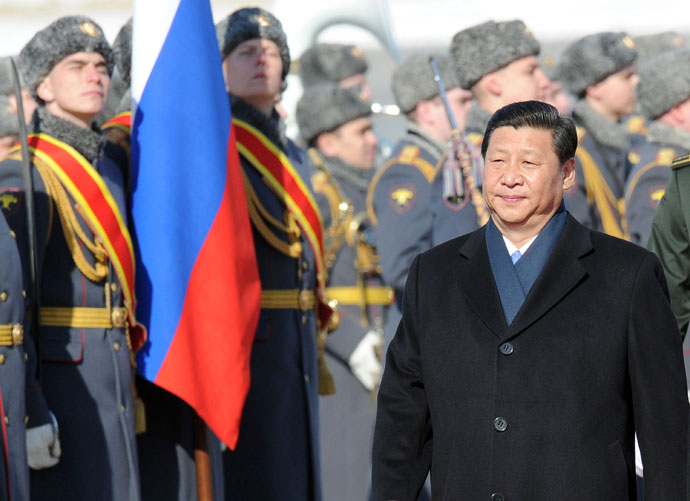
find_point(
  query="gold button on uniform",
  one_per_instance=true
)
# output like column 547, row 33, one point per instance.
column 123, row 408
column 113, row 286
column 3, row 296
column 26, row 357
column 304, row 319
column 13, row 234
column 24, row 294
column 116, row 346
column 26, row 420
column 2, row 358
column 7, row 420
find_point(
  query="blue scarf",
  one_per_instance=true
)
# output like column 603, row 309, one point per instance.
column 515, row 281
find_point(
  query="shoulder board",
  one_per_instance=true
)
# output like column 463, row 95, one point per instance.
column 636, row 125
column 410, row 154
column 475, row 138
column 581, row 132
column 665, row 156
column 681, row 162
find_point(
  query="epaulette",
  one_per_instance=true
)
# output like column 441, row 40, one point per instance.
column 681, row 162
column 665, row 156
column 410, row 155
column 581, row 132
column 475, row 138
column 636, row 125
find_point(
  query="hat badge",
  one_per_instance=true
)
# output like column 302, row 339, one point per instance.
column 528, row 32
column 357, row 52
column 88, row 28
column 628, row 42
column 261, row 20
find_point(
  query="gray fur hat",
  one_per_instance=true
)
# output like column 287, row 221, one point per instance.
column 63, row 37
column 664, row 82
column 326, row 107
column 330, row 62
column 6, row 80
column 413, row 80
column 8, row 120
column 648, row 46
column 484, row 48
column 591, row 59
column 122, row 49
column 248, row 23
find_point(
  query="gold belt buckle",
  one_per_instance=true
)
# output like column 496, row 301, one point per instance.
column 119, row 317
column 306, row 300
column 17, row 334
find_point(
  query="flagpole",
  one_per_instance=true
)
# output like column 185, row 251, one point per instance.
column 202, row 459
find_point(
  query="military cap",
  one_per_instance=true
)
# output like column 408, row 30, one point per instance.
column 484, row 48
column 248, row 23
column 648, row 46
column 8, row 120
column 6, row 80
column 591, row 59
column 330, row 62
column 326, row 107
column 63, row 37
column 122, row 49
column 413, row 80
column 664, row 82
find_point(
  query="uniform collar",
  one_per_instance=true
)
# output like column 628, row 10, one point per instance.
column 666, row 134
column 419, row 137
column 272, row 127
column 477, row 119
column 88, row 142
column 601, row 129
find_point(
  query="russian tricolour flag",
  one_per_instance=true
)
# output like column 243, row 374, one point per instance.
column 197, row 281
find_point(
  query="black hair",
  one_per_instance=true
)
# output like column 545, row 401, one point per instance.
column 536, row 115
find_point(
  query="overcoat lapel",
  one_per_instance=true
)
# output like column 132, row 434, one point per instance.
column 477, row 284
column 562, row 272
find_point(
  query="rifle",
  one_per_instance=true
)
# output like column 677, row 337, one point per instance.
column 457, row 165
column 34, row 279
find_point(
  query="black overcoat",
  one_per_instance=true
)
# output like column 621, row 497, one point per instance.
column 547, row 407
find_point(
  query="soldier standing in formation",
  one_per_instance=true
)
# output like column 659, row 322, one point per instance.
column 336, row 125
column 277, row 454
column 87, row 329
column 498, row 62
column 664, row 96
column 599, row 70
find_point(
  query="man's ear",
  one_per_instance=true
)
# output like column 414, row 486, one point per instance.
column 491, row 84
column 568, row 171
column 45, row 90
column 325, row 144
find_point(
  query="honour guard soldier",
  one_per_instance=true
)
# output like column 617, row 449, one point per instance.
column 599, row 70
column 338, row 63
column 400, row 196
column 277, row 454
column 663, row 93
column 14, row 470
column 498, row 62
column 87, row 331
column 336, row 125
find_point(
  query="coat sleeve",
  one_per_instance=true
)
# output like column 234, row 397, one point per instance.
column 403, row 435
column 657, row 377
column 404, row 221
column 669, row 241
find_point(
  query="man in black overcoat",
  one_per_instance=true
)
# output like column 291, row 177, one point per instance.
column 531, row 350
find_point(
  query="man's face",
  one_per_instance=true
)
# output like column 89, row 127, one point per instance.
column 354, row 143
column 523, row 178
column 460, row 101
column 616, row 92
column 683, row 110
column 521, row 80
column 77, row 87
column 358, row 79
column 253, row 70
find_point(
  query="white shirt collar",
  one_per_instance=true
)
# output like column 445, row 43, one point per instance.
column 511, row 248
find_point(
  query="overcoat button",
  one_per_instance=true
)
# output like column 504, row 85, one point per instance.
column 497, row 497
column 507, row 348
column 500, row 424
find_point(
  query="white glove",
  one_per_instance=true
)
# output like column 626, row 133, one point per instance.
column 638, row 459
column 365, row 363
column 43, row 445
